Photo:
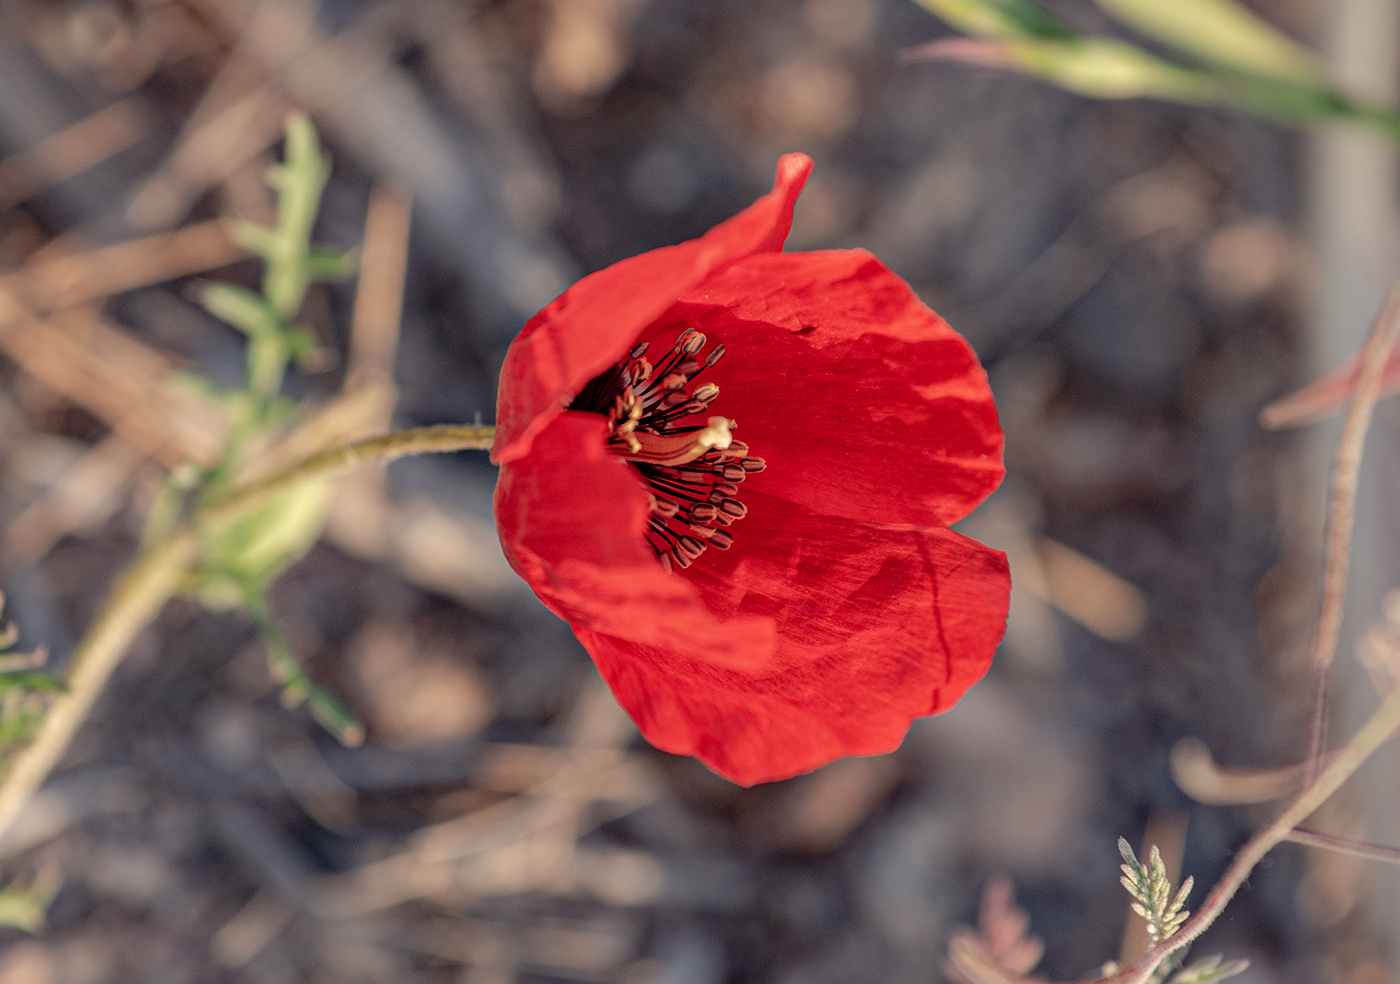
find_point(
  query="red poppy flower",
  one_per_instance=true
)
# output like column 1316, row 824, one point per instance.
column 771, row 604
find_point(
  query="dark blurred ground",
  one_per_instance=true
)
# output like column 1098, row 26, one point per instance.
column 1132, row 275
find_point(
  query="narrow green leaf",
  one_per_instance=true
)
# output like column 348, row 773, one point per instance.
column 1221, row 32
column 332, row 715
column 1207, row 970
column 254, row 238
column 297, row 686
column 31, row 682
column 299, row 182
column 1104, row 68
column 1101, row 68
column 301, row 342
column 27, row 908
column 1001, row 19
column 1109, row 69
column 327, row 265
column 239, row 307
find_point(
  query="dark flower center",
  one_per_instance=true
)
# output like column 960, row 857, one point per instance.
column 692, row 470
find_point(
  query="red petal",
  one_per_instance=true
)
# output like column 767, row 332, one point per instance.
column 862, row 400
column 571, row 518
column 589, row 327
column 876, row 626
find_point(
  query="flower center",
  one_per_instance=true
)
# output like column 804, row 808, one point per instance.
column 692, row 469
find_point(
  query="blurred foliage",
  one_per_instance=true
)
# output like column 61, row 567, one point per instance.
column 24, row 697
column 1231, row 58
column 240, row 558
column 1223, row 33
column 24, row 693
column 1007, row 19
column 26, row 906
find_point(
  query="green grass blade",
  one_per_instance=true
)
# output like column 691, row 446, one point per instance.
column 1002, row 19
column 1223, row 33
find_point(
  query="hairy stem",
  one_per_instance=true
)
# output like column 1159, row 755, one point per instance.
column 1349, row 757
column 155, row 576
column 1322, row 776
column 1343, row 517
column 446, row 437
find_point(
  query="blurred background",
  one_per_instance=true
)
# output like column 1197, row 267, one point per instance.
column 1138, row 278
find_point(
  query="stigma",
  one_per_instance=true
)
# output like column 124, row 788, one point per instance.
column 691, row 465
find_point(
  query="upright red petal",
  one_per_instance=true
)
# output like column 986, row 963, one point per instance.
column 588, row 328
column 863, row 401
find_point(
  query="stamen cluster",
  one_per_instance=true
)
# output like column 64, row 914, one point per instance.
column 692, row 470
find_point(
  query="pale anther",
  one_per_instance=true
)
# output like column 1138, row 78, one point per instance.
column 691, row 473
column 679, row 449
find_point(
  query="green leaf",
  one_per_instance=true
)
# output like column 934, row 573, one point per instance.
column 30, row 682
column 254, row 238
column 327, row 265
column 1101, row 68
column 1207, row 970
column 27, row 908
column 297, row 686
column 1221, row 32
column 332, row 715
column 240, row 307
column 1105, row 68
column 302, row 342
column 255, row 549
column 299, row 182
column 1001, row 19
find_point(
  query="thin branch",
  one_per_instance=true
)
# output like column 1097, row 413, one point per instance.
column 138, row 596
column 1378, row 728
column 1343, row 518
column 1348, row 759
column 155, row 577
column 1345, row 845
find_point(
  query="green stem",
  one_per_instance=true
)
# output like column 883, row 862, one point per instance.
column 445, row 437
column 155, row 577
